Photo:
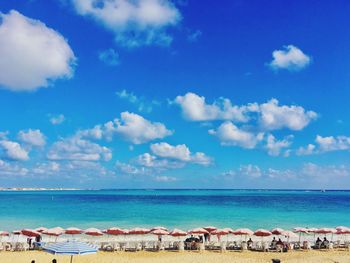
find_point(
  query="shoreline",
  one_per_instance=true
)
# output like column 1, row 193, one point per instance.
column 186, row 256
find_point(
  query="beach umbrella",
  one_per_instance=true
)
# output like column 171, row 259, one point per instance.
column 73, row 231
column 220, row 232
column 70, row 248
column 198, row 231
column 159, row 227
column 139, row 231
column 288, row 234
column 16, row 232
column 325, row 230
column 210, row 228
column 342, row 230
column 93, row 232
column 301, row 230
column 30, row 233
column 56, row 231
column 40, row 229
column 4, row 234
column 178, row 233
column 116, row 231
column 243, row 232
column 277, row 231
column 160, row 232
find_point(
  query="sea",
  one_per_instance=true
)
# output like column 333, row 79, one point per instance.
column 184, row 209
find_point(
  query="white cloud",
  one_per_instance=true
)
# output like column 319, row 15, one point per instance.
column 309, row 149
column 195, row 108
column 193, row 36
column 252, row 171
column 290, row 58
column 95, row 133
column 13, row 151
column 141, row 103
column 32, row 55
column 56, row 120
column 12, row 169
column 130, row 169
column 274, row 147
column 151, row 161
column 274, row 117
column 326, row 144
column 134, row 23
column 332, row 143
column 328, row 172
column 109, row 57
column 136, row 129
column 165, row 179
column 179, row 152
column 47, row 168
column 32, row 137
column 75, row 148
column 230, row 135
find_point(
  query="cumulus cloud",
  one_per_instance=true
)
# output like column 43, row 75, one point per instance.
column 270, row 115
column 58, row 119
column 165, row 179
column 230, row 135
column 274, row 147
column 13, row 151
column 151, row 161
column 326, row 144
column 179, row 152
column 141, row 103
column 274, row 117
column 75, row 148
column 290, row 58
column 134, row 23
column 32, row 54
column 12, row 169
column 109, row 57
column 32, row 137
column 136, row 129
column 195, row 108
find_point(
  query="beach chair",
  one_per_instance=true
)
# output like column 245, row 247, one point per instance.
column 244, row 246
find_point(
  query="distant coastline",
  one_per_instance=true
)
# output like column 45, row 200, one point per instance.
column 39, row 189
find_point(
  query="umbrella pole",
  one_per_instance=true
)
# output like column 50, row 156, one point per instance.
column 71, row 258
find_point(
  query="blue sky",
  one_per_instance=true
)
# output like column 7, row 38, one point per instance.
column 174, row 94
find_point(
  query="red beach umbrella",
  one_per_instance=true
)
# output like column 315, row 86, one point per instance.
column 277, row 231
column 16, row 232
column 220, row 232
column 262, row 233
column 178, row 233
column 159, row 227
column 93, row 232
column 160, row 232
column 342, row 230
column 243, row 232
column 210, row 228
column 30, row 233
column 116, row 231
column 41, row 229
column 73, row 231
column 56, row 231
column 4, row 233
column 139, row 231
column 326, row 230
column 198, row 231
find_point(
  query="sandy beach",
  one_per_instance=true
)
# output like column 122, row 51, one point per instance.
column 177, row 257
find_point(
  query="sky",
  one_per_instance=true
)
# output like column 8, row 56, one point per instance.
column 175, row 94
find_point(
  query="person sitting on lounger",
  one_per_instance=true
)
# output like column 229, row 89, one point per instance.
column 250, row 243
column 324, row 243
column 273, row 242
column 279, row 242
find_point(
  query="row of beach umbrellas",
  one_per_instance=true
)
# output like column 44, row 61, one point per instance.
column 57, row 231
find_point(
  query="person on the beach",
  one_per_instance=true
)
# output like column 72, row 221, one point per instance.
column 279, row 242
column 33, row 261
column 160, row 238
column 273, row 242
column 324, row 243
column 54, row 261
column 206, row 237
column 250, row 243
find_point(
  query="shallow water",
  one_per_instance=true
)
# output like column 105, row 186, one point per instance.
column 174, row 208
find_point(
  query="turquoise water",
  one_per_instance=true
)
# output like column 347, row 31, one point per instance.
column 174, row 208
